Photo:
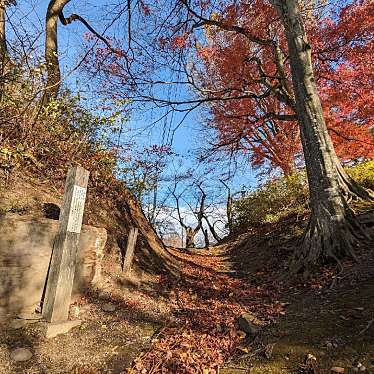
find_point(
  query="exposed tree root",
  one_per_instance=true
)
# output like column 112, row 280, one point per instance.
column 351, row 190
column 329, row 238
column 333, row 231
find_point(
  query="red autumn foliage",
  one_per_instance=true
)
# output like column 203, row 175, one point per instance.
column 240, row 71
column 179, row 42
column 256, row 113
column 346, row 76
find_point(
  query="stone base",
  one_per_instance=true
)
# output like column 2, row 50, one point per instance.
column 26, row 245
column 57, row 328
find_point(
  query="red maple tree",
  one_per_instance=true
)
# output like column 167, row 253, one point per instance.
column 346, row 76
column 262, row 122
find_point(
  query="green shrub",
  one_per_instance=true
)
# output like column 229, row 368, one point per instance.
column 49, row 140
column 287, row 196
column 363, row 174
column 273, row 201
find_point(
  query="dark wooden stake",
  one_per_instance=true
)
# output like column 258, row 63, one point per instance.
column 62, row 267
column 130, row 248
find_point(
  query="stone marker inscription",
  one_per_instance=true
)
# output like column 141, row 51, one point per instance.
column 62, row 266
column 76, row 209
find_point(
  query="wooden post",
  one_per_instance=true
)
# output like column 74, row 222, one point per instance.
column 130, row 248
column 62, row 267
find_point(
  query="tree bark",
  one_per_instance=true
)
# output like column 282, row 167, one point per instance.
column 55, row 7
column 333, row 231
column 206, row 238
column 190, row 237
column 212, row 229
column 190, row 231
column 3, row 48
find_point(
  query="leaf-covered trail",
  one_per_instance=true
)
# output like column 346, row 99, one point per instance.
column 206, row 303
column 296, row 318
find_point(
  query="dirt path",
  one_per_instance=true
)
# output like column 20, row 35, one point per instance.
column 189, row 324
column 329, row 318
column 107, row 341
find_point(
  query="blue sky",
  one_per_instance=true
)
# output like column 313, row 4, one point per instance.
column 189, row 136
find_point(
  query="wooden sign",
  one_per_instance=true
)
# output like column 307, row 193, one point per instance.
column 130, row 248
column 62, row 267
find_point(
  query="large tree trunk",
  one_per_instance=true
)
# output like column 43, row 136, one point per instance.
column 333, row 231
column 55, row 7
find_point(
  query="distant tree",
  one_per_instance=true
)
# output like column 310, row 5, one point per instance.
column 229, row 207
column 143, row 172
column 191, row 231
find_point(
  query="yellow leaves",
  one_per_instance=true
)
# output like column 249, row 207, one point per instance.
column 5, row 151
column 215, row 16
column 13, row 157
column 363, row 173
column 243, row 349
column 241, row 334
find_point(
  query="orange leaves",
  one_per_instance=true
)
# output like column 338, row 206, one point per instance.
column 204, row 333
column 205, row 53
column 346, row 75
column 237, row 68
column 179, row 42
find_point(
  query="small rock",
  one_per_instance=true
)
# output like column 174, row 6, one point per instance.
column 20, row 354
column 57, row 328
column 337, row 369
column 30, row 316
column 246, row 324
column 311, row 357
column 17, row 324
column 75, row 311
column 108, row 307
column 220, row 328
column 103, row 295
column 361, row 367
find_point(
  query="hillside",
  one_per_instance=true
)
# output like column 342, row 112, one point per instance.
column 248, row 124
column 188, row 324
